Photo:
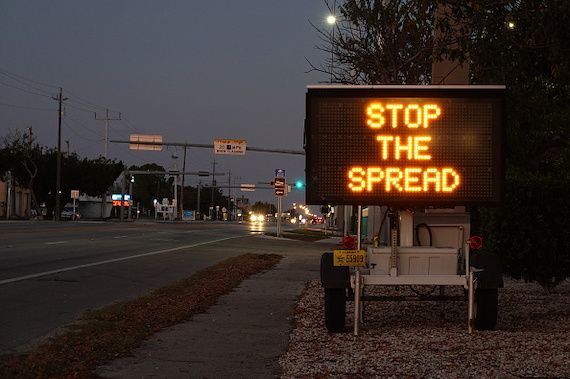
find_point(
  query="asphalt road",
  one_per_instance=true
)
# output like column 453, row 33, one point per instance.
column 51, row 272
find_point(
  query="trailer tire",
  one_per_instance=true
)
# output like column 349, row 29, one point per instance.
column 487, row 300
column 335, row 309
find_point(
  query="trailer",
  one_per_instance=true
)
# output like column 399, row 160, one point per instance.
column 425, row 154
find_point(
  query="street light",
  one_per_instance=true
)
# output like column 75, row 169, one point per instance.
column 331, row 20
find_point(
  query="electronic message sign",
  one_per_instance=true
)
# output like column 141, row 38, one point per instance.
column 428, row 145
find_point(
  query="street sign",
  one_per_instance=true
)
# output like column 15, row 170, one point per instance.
column 75, row 194
column 148, row 138
column 279, row 185
column 404, row 145
column 189, row 215
column 230, row 146
column 279, row 173
column 247, row 187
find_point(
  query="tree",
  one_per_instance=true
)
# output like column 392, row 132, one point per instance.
column 148, row 188
column 35, row 166
column 519, row 43
column 23, row 149
column 379, row 42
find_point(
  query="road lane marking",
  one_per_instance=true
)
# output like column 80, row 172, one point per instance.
column 56, row 242
column 37, row 275
column 120, row 237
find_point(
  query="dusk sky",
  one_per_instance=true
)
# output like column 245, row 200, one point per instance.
column 188, row 70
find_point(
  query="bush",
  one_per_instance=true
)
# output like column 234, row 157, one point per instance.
column 529, row 230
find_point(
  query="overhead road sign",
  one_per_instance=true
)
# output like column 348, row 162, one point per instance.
column 149, row 172
column 247, row 187
column 424, row 145
column 211, row 146
column 149, row 142
column 230, row 146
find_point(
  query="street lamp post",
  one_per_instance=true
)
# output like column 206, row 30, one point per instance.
column 331, row 20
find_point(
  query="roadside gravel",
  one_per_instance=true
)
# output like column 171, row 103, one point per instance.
column 430, row 340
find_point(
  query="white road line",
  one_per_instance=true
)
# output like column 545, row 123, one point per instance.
column 56, row 242
column 32, row 276
column 120, row 237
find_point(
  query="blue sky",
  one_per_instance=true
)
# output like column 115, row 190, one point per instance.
column 189, row 70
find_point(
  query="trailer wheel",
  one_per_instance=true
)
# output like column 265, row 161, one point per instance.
column 335, row 309
column 487, row 300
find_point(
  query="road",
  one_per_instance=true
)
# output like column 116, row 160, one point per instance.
column 51, row 272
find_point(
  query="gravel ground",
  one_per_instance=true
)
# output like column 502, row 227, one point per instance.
column 430, row 340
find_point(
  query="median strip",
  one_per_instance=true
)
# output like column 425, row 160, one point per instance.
column 103, row 335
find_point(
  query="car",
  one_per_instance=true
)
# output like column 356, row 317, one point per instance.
column 68, row 214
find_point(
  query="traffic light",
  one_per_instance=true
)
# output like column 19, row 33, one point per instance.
column 299, row 184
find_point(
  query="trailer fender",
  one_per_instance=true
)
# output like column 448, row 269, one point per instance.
column 331, row 276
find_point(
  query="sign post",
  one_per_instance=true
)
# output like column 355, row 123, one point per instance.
column 74, row 196
column 280, row 190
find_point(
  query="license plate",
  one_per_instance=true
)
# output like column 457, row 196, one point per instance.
column 349, row 257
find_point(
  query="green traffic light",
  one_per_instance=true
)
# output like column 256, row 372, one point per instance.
column 299, row 184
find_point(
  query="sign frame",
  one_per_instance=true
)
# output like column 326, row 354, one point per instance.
column 317, row 94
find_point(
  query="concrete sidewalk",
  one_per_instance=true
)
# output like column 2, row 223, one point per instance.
column 242, row 336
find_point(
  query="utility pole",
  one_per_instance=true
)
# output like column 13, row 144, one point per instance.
column 9, row 195
column 213, row 187
column 182, row 191
column 67, row 143
column 230, row 195
column 107, row 119
column 60, row 100
column 198, row 199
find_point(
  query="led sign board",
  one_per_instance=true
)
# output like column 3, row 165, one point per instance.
column 429, row 145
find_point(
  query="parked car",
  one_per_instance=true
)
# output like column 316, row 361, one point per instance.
column 68, row 214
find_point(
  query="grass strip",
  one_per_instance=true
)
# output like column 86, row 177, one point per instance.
column 112, row 332
column 303, row 235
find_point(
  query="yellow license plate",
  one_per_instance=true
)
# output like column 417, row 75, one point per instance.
column 349, row 257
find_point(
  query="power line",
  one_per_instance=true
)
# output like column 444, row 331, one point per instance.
column 82, row 124
column 8, row 73
column 77, row 134
column 30, row 108
column 81, row 108
column 25, row 83
column 24, row 80
column 88, row 103
column 24, row 90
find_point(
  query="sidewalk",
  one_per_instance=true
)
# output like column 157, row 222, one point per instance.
column 242, row 336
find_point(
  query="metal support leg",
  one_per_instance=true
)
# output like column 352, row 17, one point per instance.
column 357, row 286
column 471, row 303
